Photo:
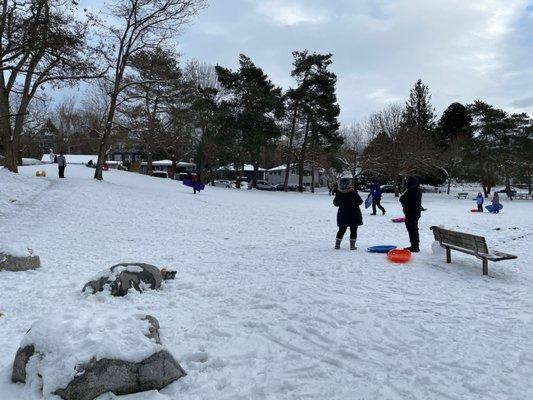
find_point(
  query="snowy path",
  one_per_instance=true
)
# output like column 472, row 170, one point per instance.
column 263, row 308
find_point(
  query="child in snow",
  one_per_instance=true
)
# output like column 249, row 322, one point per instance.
column 479, row 200
column 349, row 214
column 376, row 193
column 496, row 203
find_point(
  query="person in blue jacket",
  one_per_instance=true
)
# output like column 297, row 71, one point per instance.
column 375, row 191
column 349, row 213
column 479, row 201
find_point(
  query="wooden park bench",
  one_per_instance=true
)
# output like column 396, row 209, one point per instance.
column 462, row 195
column 522, row 196
column 469, row 244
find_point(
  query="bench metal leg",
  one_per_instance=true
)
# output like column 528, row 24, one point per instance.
column 485, row 266
column 448, row 255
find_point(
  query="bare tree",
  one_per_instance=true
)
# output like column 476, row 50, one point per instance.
column 351, row 153
column 144, row 25
column 41, row 43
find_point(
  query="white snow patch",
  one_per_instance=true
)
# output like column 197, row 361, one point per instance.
column 63, row 342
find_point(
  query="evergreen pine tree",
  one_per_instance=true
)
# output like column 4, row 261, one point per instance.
column 419, row 113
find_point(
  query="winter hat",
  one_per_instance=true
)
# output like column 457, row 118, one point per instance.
column 345, row 184
column 411, row 181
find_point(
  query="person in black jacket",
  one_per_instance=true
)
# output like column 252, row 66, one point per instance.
column 349, row 214
column 411, row 201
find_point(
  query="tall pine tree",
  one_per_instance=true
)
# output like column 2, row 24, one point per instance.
column 257, row 104
column 419, row 113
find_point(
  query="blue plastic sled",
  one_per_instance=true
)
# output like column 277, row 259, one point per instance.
column 368, row 201
column 490, row 208
column 380, row 249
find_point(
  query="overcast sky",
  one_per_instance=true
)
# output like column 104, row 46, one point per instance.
column 463, row 49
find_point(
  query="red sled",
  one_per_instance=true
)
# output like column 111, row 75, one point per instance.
column 398, row 220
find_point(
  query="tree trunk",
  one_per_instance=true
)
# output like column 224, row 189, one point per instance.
column 301, row 162
column 288, row 160
column 256, row 170
column 150, row 164
column 449, row 184
column 508, row 186
column 313, row 179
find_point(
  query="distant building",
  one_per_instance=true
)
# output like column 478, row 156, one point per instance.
column 161, row 167
column 127, row 156
column 276, row 176
column 229, row 172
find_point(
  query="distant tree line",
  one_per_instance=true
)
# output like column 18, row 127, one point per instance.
column 475, row 142
column 139, row 93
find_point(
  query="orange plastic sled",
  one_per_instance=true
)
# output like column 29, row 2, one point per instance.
column 399, row 255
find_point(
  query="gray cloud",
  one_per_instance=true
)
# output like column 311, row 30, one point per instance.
column 464, row 50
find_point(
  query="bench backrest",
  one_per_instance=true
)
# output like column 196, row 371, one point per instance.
column 473, row 243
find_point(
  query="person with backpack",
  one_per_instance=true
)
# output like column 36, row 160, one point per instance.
column 479, row 201
column 349, row 214
column 411, row 201
column 376, row 193
column 61, row 164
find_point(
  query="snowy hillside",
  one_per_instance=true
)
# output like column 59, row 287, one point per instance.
column 262, row 306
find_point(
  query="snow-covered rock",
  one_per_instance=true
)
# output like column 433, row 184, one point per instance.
column 121, row 277
column 17, row 258
column 81, row 357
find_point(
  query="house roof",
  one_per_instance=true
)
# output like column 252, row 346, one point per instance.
column 284, row 167
column 247, row 168
column 168, row 163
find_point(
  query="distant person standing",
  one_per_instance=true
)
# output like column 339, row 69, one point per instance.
column 52, row 156
column 479, row 201
column 411, row 201
column 376, row 193
column 496, row 205
column 349, row 214
column 61, row 164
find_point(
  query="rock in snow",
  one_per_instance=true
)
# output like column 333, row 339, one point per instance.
column 82, row 357
column 18, row 260
column 121, row 277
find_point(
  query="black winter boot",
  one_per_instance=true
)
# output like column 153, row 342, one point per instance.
column 337, row 243
column 352, row 244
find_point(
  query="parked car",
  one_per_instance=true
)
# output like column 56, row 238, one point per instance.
column 159, row 174
column 264, row 185
column 513, row 191
column 222, row 183
column 281, row 187
column 244, row 184
column 387, row 188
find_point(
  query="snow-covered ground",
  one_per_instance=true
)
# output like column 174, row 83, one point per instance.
column 262, row 306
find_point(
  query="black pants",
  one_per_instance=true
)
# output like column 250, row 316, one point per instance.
column 342, row 231
column 377, row 203
column 61, row 171
column 411, row 223
column 480, row 207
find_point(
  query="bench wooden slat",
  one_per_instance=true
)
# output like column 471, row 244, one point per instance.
column 468, row 244
column 498, row 256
